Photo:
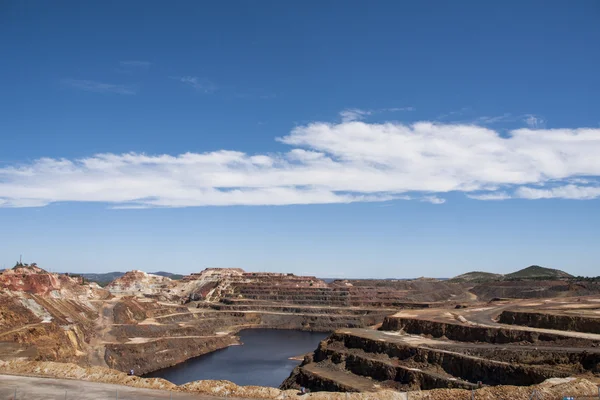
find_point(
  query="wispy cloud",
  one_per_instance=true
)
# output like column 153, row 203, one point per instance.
column 487, row 120
column 433, row 200
column 490, row 196
column 452, row 114
column 199, row 84
column 561, row 192
column 467, row 115
column 99, row 87
column 207, row 86
column 343, row 162
column 396, row 109
column 534, row 121
column 135, row 64
column 357, row 114
column 354, row 114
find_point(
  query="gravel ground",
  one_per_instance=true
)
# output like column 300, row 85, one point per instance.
column 54, row 389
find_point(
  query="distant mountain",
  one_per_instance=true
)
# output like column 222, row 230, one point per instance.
column 477, row 276
column 101, row 279
column 168, row 275
column 104, row 279
column 537, row 272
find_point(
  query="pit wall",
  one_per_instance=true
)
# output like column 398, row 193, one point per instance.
column 315, row 383
column 468, row 368
column 469, row 333
column 157, row 353
column 551, row 321
column 293, row 309
column 161, row 353
column 573, row 362
column 386, row 371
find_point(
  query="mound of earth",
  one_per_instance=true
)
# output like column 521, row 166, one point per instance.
column 477, row 276
column 139, row 282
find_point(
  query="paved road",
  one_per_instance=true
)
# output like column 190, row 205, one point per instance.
column 54, row 389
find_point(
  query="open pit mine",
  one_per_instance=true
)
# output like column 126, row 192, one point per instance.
column 483, row 336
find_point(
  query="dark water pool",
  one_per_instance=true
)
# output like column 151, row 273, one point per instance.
column 262, row 360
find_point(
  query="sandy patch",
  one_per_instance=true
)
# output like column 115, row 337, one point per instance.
column 479, row 309
column 140, row 340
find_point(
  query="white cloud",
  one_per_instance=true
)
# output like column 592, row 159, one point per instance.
column 99, row 87
column 490, row 196
column 328, row 163
column 572, row 192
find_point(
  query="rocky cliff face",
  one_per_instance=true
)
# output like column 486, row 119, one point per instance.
column 455, row 348
column 36, row 281
column 551, row 321
column 46, row 316
column 359, row 360
column 151, row 355
column 485, row 334
column 140, row 283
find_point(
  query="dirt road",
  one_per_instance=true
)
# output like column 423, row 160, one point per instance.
column 54, row 389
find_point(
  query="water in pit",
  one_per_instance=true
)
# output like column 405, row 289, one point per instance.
column 262, row 360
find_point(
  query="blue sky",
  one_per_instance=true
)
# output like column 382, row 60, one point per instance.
column 386, row 139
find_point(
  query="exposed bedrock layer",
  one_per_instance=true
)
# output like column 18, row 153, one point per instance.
column 44, row 328
column 156, row 346
column 124, row 332
column 332, row 296
column 551, row 321
column 307, row 322
column 295, row 309
column 161, row 353
column 571, row 360
column 471, row 333
column 372, row 362
column 317, row 323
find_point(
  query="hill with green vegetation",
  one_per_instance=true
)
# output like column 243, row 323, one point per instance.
column 537, row 272
column 101, row 279
column 532, row 272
